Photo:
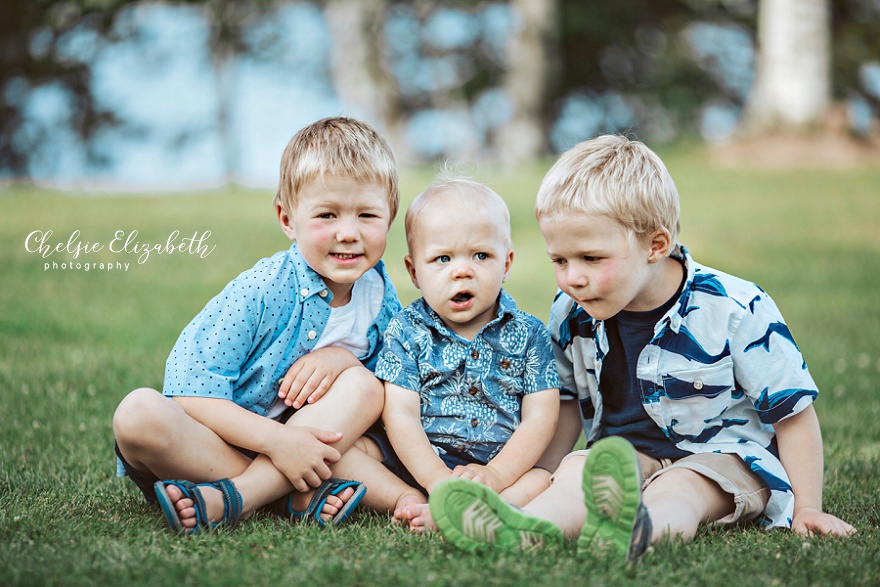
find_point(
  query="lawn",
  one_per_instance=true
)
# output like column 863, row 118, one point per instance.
column 74, row 342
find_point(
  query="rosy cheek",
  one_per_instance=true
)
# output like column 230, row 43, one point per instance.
column 607, row 277
column 561, row 279
column 319, row 232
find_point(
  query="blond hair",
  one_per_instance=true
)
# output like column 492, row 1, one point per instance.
column 337, row 146
column 451, row 194
column 616, row 177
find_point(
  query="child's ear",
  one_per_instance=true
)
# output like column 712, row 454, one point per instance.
column 284, row 220
column 411, row 269
column 508, row 261
column 661, row 245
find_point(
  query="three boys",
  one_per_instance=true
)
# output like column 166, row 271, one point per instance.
column 687, row 380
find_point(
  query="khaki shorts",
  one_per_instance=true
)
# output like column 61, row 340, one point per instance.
column 750, row 494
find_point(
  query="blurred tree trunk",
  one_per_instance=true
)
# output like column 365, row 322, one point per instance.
column 228, row 21
column 792, row 88
column 532, row 55
column 223, row 64
column 360, row 75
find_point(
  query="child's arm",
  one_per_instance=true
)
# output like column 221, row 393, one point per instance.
column 309, row 378
column 300, row 453
column 800, row 450
column 540, row 412
column 568, row 431
column 403, row 424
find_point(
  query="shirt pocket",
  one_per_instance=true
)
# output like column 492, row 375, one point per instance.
column 692, row 399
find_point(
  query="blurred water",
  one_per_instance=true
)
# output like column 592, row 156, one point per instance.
column 159, row 79
column 193, row 120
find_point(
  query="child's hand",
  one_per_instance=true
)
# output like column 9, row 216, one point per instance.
column 303, row 454
column 809, row 522
column 484, row 474
column 309, row 378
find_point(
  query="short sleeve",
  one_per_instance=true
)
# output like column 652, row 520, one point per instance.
column 540, row 362
column 560, row 335
column 768, row 363
column 209, row 354
column 397, row 361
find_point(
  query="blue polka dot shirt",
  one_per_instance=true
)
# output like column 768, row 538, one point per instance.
column 248, row 336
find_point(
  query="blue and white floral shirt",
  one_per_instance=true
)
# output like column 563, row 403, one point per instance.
column 721, row 368
column 471, row 391
column 248, row 336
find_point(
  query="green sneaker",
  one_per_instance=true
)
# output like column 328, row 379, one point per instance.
column 474, row 518
column 617, row 522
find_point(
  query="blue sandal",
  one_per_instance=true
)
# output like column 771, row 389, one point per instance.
column 312, row 513
column 232, row 503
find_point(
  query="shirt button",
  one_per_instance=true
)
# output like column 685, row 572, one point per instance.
column 473, row 391
column 676, row 322
column 505, row 363
column 304, row 292
column 475, row 354
column 698, row 385
column 312, row 334
column 474, row 423
column 322, row 293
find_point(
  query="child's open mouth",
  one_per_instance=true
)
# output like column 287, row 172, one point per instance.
column 462, row 300
column 345, row 256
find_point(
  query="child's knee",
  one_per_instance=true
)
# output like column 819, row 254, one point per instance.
column 136, row 414
column 364, row 389
column 571, row 468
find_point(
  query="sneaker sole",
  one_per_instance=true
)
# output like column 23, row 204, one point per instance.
column 612, row 487
column 475, row 519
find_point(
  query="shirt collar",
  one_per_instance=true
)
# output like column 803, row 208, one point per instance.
column 310, row 283
column 679, row 310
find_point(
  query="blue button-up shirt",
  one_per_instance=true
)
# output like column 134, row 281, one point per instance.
column 470, row 391
column 721, row 368
column 248, row 336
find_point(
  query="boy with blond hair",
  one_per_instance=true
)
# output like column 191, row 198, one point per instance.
column 269, row 385
column 690, row 385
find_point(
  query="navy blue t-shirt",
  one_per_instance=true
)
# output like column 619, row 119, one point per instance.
column 623, row 414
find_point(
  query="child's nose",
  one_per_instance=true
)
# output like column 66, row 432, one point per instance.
column 462, row 270
column 347, row 231
column 575, row 278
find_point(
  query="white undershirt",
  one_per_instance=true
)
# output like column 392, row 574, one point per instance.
column 347, row 326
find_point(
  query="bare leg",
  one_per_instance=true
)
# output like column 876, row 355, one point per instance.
column 680, row 500
column 156, row 435
column 532, row 483
column 563, row 502
column 183, row 448
column 351, row 405
column 387, row 492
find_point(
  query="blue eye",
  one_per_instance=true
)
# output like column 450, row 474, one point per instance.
column 442, row 259
column 482, row 256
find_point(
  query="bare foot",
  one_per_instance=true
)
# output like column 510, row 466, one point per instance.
column 412, row 509
column 331, row 507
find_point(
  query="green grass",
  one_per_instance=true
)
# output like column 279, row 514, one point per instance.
column 73, row 343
